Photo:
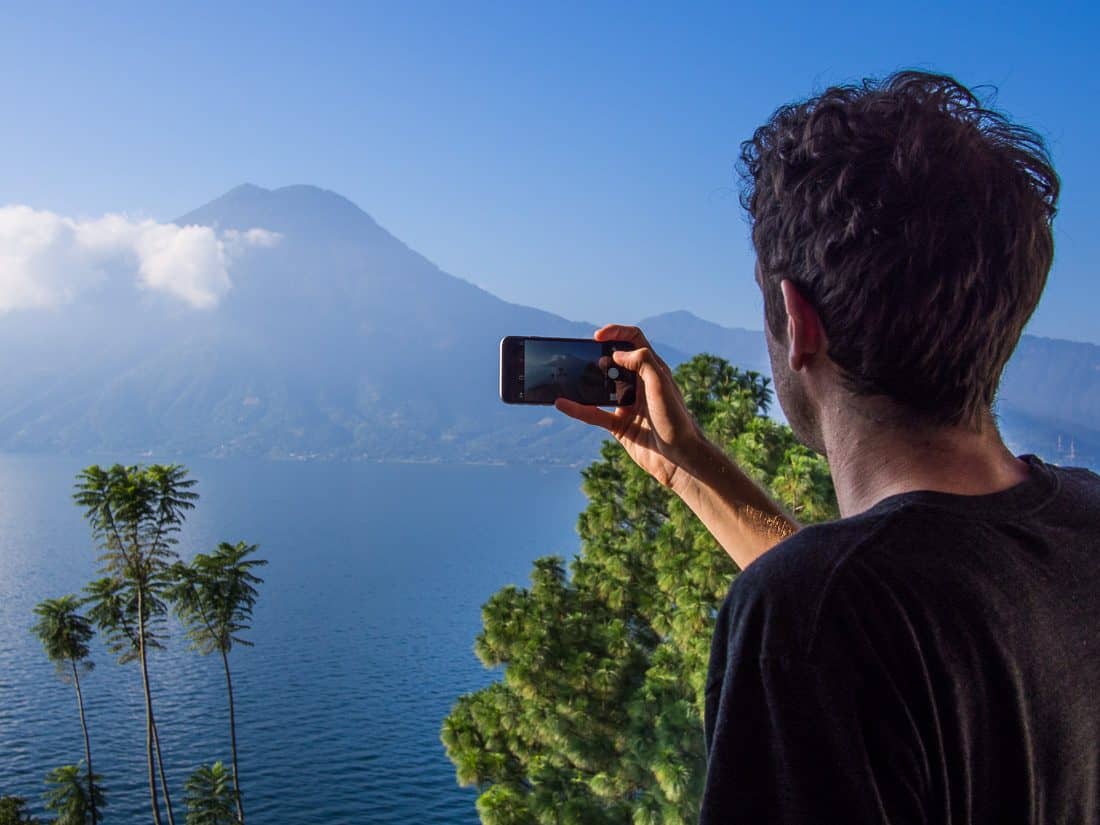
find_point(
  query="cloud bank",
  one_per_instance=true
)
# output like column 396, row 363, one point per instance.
column 47, row 259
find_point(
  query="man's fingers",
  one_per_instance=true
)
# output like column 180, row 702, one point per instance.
column 621, row 332
column 658, row 389
column 588, row 414
column 642, row 361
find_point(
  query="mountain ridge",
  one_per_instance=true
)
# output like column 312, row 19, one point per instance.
column 1041, row 369
column 343, row 342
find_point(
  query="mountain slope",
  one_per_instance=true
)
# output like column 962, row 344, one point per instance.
column 1048, row 403
column 690, row 333
column 341, row 342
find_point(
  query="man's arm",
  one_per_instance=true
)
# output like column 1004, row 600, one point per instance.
column 660, row 434
column 743, row 519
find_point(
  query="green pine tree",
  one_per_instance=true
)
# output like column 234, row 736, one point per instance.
column 598, row 718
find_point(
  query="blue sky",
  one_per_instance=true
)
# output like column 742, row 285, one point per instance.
column 574, row 157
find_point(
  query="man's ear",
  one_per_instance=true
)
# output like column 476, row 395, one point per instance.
column 805, row 332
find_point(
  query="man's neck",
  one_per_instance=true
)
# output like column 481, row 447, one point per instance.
column 870, row 461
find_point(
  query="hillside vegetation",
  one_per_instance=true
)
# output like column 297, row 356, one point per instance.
column 598, row 716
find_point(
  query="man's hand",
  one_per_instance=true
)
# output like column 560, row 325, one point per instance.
column 660, row 434
column 657, row 431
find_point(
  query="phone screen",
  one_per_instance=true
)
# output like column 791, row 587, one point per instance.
column 541, row 370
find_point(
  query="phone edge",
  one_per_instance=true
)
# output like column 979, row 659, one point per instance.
column 500, row 379
column 500, row 370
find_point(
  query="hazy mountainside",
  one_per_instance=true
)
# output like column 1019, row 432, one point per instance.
column 340, row 341
column 689, row 333
column 1049, row 400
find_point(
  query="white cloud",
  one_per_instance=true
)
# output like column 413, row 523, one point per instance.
column 47, row 259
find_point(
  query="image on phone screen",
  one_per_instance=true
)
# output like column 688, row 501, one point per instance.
column 540, row 370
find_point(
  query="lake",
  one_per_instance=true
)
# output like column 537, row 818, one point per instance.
column 363, row 633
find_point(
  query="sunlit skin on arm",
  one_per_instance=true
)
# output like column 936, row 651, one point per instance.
column 659, row 433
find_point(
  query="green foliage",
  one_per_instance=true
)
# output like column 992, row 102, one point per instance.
column 13, row 811
column 113, row 606
column 135, row 513
column 598, row 718
column 209, row 796
column 68, row 796
column 135, row 507
column 64, row 633
column 214, row 596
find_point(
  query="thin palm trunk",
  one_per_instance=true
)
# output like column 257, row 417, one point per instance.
column 87, row 744
column 233, row 738
column 163, row 779
column 148, row 711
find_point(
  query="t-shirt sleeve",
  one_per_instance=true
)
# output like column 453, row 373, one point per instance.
column 800, row 740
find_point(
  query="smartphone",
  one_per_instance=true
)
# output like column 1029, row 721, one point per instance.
column 536, row 370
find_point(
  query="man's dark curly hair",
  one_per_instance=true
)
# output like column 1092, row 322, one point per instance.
column 917, row 222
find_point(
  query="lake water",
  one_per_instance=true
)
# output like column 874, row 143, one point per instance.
column 364, row 633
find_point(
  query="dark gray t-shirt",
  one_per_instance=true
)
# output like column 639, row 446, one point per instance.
column 935, row 659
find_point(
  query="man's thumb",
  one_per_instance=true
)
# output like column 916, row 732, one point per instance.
column 641, row 361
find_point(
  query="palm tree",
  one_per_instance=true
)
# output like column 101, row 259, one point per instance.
column 214, row 597
column 135, row 513
column 69, row 798
column 114, row 608
column 13, row 811
column 209, row 797
column 65, row 635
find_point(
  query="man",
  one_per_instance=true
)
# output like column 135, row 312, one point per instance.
column 933, row 656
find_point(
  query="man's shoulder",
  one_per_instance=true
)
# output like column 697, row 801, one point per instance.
column 799, row 565
column 907, row 529
column 1080, row 487
column 776, row 602
column 919, row 551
